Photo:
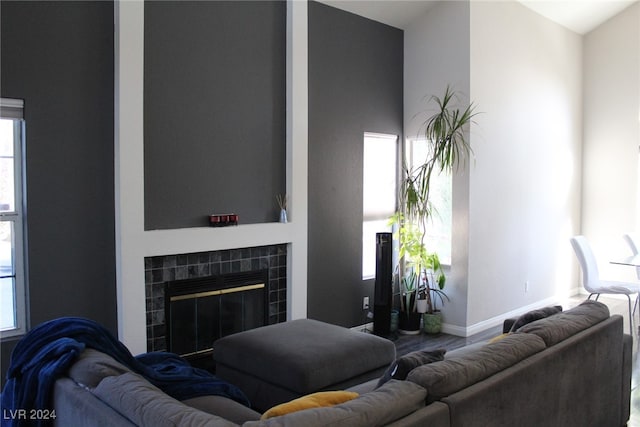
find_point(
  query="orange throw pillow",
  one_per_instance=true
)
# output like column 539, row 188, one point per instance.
column 315, row 400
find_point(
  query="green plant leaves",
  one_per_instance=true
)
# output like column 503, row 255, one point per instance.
column 448, row 147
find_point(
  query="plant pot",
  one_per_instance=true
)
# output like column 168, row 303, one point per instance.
column 409, row 323
column 394, row 321
column 422, row 306
column 432, row 322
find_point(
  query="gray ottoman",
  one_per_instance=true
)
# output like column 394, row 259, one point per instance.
column 277, row 363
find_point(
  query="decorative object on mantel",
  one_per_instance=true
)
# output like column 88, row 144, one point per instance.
column 282, row 202
column 223, row 220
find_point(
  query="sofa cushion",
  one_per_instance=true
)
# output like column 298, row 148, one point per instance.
column 320, row 399
column 461, row 351
column 534, row 315
column 444, row 378
column 146, row 405
column 92, row 366
column 223, row 407
column 563, row 325
column 392, row 401
column 400, row 368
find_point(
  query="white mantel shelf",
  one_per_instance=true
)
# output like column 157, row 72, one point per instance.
column 203, row 239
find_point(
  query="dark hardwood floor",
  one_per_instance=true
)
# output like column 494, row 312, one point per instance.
column 408, row 343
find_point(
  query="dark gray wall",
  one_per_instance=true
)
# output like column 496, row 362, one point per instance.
column 214, row 125
column 355, row 86
column 58, row 57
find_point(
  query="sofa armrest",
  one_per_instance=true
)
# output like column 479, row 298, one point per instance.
column 146, row 405
column 76, row 406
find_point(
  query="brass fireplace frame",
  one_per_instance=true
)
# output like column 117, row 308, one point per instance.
column 215, row 286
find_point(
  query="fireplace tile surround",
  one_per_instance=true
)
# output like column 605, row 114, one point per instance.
column 160, row 269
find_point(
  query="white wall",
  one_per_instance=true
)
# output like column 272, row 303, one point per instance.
column 611, row 137
column 518, row 203
column 436, row 54
column 526, row 75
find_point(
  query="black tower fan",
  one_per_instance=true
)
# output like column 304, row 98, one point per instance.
column 383, row 287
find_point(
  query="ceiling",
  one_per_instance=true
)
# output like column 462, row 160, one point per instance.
column 580, row 16
column 397, row 13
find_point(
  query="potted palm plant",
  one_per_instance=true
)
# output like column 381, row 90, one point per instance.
column 444, row 133
column 422, row 282
column 409, row 317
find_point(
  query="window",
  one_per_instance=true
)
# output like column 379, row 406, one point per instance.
column 379, row 187
column 438, row 238
column 12, row 281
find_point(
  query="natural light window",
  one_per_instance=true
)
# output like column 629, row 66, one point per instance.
column 12, row 284
column 438, row 237
column 379, row 176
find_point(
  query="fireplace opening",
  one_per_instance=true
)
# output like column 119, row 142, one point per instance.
column 201, row 310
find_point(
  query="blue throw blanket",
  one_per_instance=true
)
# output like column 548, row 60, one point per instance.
column 47, row 351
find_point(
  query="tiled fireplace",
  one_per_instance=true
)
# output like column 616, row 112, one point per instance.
column 162, row 269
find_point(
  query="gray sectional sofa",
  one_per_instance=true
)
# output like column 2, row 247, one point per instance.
column 569, row 369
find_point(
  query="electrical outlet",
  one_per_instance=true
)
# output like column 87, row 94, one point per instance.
column 365, row 303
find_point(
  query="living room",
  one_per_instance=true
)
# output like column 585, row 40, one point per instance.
column 540, row 172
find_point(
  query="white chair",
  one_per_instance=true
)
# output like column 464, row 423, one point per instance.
column 591, row 279
column 633, row 241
